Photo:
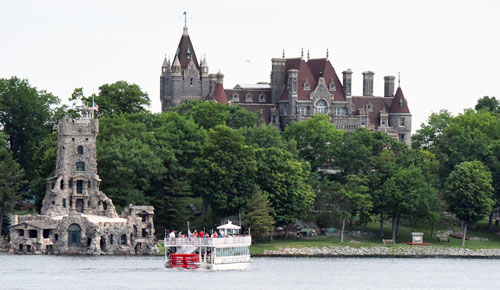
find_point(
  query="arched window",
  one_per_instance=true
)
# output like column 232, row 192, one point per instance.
column 80, row 149
column 321, row 107
column 74, row 234
column 248, row 98
column 235, row 97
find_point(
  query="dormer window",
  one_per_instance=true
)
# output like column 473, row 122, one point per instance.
column 188, row 53
column 307, row 86
column 235, row 98
column 262, row 98
column 383, row 122
column 369, row 107
column 248, row 98
column 401, row 102
column 332, row 87
column 321, row 107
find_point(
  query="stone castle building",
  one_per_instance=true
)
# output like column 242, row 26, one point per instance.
column 76, row 217
column 298, row 89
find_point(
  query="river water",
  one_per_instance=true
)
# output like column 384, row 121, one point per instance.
column 130, row 272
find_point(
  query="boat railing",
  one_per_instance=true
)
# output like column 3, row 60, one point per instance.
column 231, row 240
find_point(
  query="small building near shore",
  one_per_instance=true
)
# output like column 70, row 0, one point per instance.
column 76, row 217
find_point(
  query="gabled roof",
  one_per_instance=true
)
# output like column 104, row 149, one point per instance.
column 399, row 103
column 322, row 67
column 182, row 50
column 220, row 94
column 377, row 105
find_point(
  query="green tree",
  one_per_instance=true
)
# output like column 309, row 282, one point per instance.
column 469, row 193
column 284, row 181
column 489, row 104
column 44, row 162
column 26, row 116
column 116, row 98
column 224, row 174
column 406, row 192
column 257, row 216
column 11, row 182
column 316, row 139
column 428, row 134
column 352, row 199
column 209, row 114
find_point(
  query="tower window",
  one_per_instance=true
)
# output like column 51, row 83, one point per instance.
column 80, row 149
column 401, row 122
column 79, row 186
column 401, row 137
column 61, row 185
column 90, row 184
column 80, row 166
column 64, row 203
column 191, row 82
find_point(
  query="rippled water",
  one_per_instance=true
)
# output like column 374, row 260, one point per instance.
column 111, row 272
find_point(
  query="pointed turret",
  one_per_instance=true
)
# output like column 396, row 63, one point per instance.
column 204, row 67
column 185, row 51
column 176, row 66
column 399, row 103
column 219, row 93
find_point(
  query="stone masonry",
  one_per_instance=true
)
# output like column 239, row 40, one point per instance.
column 76, row 217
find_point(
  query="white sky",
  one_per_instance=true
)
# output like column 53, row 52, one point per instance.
column 448, row 52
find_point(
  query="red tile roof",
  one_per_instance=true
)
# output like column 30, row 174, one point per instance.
column 322, row 67
column 399, row 103
column 184, row 44
column 219, row 94
column 255, row 95
column 377, row 105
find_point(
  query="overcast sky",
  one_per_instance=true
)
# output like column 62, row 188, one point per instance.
column 448, row 52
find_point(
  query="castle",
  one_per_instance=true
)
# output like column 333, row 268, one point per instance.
column 76, row 217
column 298, row 89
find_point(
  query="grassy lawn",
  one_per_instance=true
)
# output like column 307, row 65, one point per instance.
column 404, row 237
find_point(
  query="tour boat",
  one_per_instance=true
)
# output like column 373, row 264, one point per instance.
column 229, row 252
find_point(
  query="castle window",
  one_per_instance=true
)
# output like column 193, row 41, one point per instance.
column 56, row 237
column 71, row 183
column 235, row 98
column 80, row 149
column 61, row 184
column 33, row 233
column 307, row 86
column 46, row 233
column 401, row 137
column 339, row 111
column 248, row 98
column 80, row 166
column 191, row 82
column 20, row 233
column 332, row 87
column 90, row 184
column 64, row 203
column 111, row 239
column 144, row 234
column 369, row 107
column 79, row 186
column 383, row 122
column 302, row 111
column 72, row 139
column 363, row 121
column 262, row 98
column 321, row 107
column 401, row 122
column 86, row 139
column 74, row 234
column 275, row 119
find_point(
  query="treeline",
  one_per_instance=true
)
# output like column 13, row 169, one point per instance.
column 203, row 161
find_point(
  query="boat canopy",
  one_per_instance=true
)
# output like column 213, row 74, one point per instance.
column 229, row 228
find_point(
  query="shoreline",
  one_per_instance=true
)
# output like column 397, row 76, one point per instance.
column 403, row 251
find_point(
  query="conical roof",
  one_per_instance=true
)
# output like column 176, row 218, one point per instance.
column 220, row 94
column 399, row 103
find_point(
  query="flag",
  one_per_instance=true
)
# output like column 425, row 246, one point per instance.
column 95, row 107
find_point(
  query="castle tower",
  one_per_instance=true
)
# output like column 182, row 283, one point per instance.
column 75, row 187
column 187, row 79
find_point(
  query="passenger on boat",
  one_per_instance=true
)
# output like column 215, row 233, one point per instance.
column 195, row 234
column 202, row 234
column 171, row 236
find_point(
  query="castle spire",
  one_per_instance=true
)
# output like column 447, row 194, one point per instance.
column 399, row 79
column 185, row 30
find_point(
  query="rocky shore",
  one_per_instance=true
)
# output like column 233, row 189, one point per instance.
column 380, row 251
